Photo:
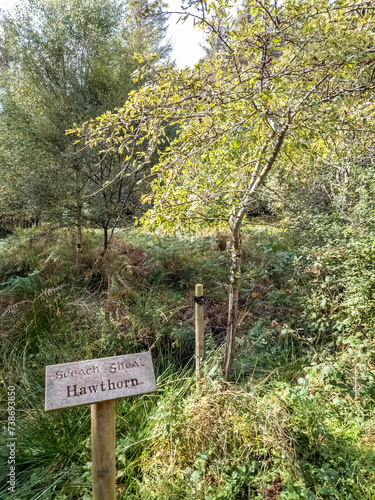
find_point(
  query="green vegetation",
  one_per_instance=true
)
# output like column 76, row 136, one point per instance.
column 295, row 421
column 63, row 62
column 257, row 168
column 287, row 91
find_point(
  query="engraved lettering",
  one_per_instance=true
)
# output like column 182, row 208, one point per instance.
column 87, row 382
column 72, row 392
column 92, row 389
column 78, row 373
column 111, row 385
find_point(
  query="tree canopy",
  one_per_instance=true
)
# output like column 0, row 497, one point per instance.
column 64, row 62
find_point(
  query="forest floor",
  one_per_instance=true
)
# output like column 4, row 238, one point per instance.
column 296, row 419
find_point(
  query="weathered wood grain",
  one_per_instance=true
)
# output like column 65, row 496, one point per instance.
column 199, row 332
column 86, row 382
column 103, row 450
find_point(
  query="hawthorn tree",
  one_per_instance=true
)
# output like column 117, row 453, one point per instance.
column 289, row 76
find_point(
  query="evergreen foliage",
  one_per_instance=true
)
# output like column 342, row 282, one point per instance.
column 67, row 62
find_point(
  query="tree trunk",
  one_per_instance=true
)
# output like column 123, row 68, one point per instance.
column 79, row 226
column 235, row 223
column 105, row 248
column 235, row 272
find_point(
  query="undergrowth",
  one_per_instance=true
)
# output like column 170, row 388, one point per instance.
column 297, row 418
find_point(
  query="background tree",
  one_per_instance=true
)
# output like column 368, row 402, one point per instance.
column 68, row 61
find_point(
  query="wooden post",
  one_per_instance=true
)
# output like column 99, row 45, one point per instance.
column 103, row 449
column 106, row 379
column 199, row 329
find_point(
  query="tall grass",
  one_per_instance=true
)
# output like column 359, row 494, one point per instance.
column 296, row 420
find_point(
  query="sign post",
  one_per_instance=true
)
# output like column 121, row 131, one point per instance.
column 199, row 329
column 99, row 382
column 103, row 447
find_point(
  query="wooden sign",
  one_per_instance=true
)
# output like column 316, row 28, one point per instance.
column 86, row 382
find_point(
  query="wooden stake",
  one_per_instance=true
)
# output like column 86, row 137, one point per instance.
column 199, row 331
column 103, row 450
